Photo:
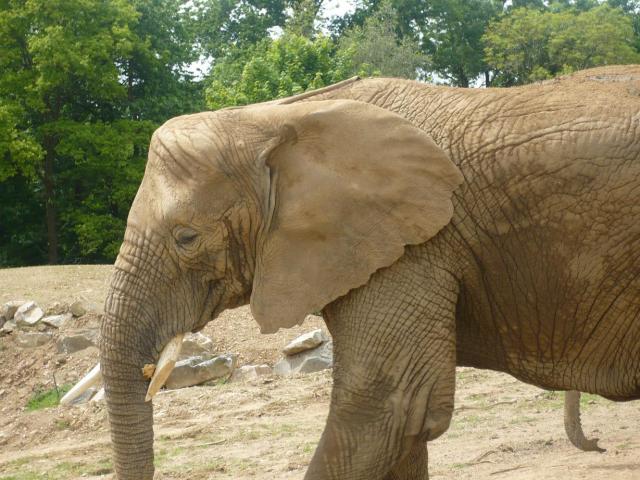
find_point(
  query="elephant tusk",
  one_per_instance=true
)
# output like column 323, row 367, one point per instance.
column 94, row 377
column 165, row 365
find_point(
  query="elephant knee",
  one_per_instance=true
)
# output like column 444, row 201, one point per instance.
column 438, row 421
column 430, row 412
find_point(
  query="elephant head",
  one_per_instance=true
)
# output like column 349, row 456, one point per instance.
column 287, row 207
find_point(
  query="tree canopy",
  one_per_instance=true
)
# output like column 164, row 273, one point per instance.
column 529, row 45
column 83, row 83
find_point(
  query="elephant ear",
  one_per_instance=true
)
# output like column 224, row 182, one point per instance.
column 350, row 185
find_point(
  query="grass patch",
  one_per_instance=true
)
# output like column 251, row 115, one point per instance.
column 63, row 424
column 47, row 398
column 309, row 448
column 550, row 395
column 525, row 419
column 549, row 400
column 35, row 469
column 589, row 399
column 23, row 476
column 471, row 420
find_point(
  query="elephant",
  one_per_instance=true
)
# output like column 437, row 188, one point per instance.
column 432, row 227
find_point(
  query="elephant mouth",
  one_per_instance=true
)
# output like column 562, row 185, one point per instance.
column 159, row 372
column 212, row 305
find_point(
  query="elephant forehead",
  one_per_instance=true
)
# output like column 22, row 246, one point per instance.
column 188, row 145
column 169, row 201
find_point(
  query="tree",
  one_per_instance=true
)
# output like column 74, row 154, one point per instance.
column 224, row 26
column 527, row 45
column 19, row 151
column 452, row 37
column 272, row 69
column 632, row 9
column 157, row 81
column 374, row 49
column 59, row 63
column 83, row 83
column 303, row 18
column 448, row 31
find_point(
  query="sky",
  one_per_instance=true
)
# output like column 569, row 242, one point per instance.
column 337, row 8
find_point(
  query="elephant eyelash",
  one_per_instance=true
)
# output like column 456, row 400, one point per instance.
column 185, row 237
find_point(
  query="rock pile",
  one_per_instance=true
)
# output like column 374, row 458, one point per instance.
column 64, row 326
column 28, row 316
column 33, row 327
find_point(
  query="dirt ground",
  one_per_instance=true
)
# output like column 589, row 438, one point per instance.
column 268, row 429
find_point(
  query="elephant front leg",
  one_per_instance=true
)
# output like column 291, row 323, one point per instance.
column 394, row 374
column 414, row 466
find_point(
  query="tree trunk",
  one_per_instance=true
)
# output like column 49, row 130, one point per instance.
column 49, row 200
column 462, row 80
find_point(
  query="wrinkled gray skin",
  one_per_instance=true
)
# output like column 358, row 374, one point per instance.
column 537, row 274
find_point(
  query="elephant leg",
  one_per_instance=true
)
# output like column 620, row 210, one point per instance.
column 394, row 376
column 414, row 466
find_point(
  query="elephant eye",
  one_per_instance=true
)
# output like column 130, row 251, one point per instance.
column 185, row 236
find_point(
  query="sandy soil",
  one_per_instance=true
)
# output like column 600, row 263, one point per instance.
column 268, row 429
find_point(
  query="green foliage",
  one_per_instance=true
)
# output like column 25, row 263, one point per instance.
column 103, row 165
column 303, row 18
column 453, row 37
column 47, row 398
column 83, row 83
column 527, row 45
column 295, row 63
column 374, row 48
column 19, row 152
column 222, row 26
column 448, row 31
column 274, row 68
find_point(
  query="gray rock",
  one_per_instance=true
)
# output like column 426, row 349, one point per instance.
column 77, row 308
column 85, row 397
column 8, row 327
column 57, row 321
column 8, row 310
column 197, row 370
column 57, row 308
column 304, row 342
column 196, row 345
column 250, row 372
column 32, row 339
column 320, row 358
column 98, row 397
column 76, row 341
column 28, row 315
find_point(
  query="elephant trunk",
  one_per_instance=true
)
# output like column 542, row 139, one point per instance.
column 126, row 344
column 131, row 420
